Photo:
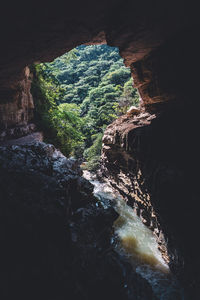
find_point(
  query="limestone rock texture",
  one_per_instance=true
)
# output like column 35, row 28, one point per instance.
column 157, row 154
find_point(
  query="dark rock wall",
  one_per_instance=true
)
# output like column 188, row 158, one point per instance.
column 16, row 109
column 149, row 159
column 169, row 74
column 154, row 159
column 37, row 185
column 55, row 236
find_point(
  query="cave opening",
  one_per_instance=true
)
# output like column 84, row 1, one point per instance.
column 78, row 95
column 42, row 194
column 64, row 108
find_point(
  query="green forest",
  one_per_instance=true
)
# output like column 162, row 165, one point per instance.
column 78, row 95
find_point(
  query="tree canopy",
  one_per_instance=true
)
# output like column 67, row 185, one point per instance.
column 79, row 94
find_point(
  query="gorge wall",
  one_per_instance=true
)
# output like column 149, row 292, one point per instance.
column 16, row 109
column 152, row 157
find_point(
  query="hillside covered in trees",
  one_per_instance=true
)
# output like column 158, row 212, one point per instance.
column 78, row 95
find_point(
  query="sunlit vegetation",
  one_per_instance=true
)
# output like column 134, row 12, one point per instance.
column 78, row 95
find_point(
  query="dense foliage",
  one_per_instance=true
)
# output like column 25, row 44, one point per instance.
column 78, row 95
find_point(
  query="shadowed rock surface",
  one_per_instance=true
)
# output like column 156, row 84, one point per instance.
column 55, row 240
column 30, row 138
column 143, row 159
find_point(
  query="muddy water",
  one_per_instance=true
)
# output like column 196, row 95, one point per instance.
column 136, row 243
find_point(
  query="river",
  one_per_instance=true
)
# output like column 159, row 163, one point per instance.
column 137, row 243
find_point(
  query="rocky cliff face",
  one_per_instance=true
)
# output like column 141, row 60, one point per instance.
column 122, row 168
column 16, row 109
column 142, row 157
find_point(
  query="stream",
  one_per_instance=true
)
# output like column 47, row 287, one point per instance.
column 137, row 244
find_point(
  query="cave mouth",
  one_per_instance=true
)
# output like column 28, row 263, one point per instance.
column 78, row 95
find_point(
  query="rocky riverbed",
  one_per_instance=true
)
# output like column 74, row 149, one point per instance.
column 55, row 234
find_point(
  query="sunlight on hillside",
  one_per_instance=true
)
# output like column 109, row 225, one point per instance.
column 78, row 95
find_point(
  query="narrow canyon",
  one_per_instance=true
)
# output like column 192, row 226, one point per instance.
column 58, row 230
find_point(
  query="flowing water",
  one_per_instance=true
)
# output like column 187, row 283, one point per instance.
column 137, row 243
